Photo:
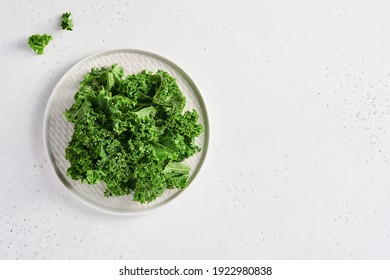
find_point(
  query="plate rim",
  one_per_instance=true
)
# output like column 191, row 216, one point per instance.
column 61, row 176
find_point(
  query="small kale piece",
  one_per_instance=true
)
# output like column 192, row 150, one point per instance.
column 131, row 133
column 66, row 21
column 39, row 42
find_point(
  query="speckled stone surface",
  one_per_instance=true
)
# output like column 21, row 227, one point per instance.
column 298, row 96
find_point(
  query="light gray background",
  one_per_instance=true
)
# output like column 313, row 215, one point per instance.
column 298, row 94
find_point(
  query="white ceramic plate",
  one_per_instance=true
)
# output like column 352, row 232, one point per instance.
column 58, row 131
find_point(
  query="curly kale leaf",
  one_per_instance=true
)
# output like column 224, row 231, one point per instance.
column 39, row 42
column 168, row 93
column 131, row 133
column 177, row 174
column 66, row 21
column 104, row 77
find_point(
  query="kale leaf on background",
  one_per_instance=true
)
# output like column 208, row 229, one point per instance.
column 66, row 21
column 131, row 133
column 39, row 42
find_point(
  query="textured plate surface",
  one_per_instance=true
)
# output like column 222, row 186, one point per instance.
column 58, row 132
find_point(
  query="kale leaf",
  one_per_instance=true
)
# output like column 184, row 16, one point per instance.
column 66, row 21
column 39, row 42
column 131, row 133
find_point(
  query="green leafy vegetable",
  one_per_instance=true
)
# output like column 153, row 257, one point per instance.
column 131, row 133
column 66, row 21
column 39, row 42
